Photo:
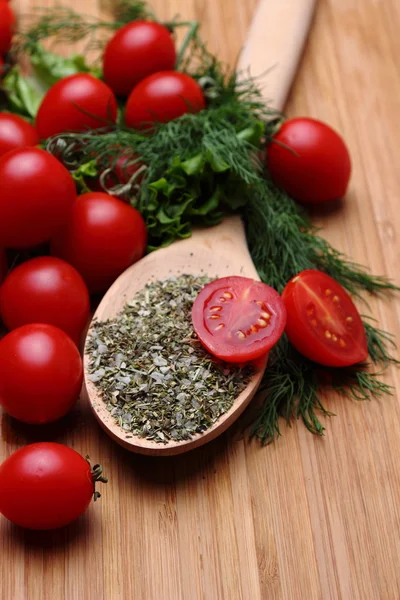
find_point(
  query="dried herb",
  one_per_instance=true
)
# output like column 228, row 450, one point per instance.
column 154, row 375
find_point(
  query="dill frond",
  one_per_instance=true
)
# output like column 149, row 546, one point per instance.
column 63, row 25
column 380, row 343
column 293, row 387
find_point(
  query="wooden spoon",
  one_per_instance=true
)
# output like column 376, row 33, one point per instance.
column 276, row 39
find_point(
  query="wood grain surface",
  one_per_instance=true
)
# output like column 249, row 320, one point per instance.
column 305, row 518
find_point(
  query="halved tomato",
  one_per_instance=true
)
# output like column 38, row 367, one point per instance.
column 238, row 319
column 323, row 323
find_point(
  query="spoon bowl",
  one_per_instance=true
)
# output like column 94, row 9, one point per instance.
column 218, row 252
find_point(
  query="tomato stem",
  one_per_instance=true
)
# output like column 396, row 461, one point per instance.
column 97, row 475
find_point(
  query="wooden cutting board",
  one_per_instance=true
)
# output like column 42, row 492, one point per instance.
column 305, row 518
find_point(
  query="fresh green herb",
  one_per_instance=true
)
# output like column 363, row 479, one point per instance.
column 154, row 375
column 83, row 174
column 63, row 25
column 201, row 167
column 283, row 242
column 293, row 386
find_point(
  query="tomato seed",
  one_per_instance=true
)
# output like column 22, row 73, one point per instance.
column 215, row 308
column 335, row 299
column 254, row 329
column 328, row 334
column 349, row 319
column 328, row 292
column 334, row 338
column 241, row 335
column 265, row 315
column 228, row 295
column 215, row 317
column 220, row 326
column 342, row 343
column 262, row 323
column 222, row 299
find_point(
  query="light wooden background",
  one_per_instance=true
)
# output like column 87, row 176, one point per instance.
column 305, row 518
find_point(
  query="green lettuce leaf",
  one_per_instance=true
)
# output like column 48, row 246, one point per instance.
column 199, row 190
column 49, row 67
column 23, row 94
column 81, row 175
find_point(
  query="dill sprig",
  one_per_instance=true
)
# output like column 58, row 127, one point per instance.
column 294, row 244
column 294, row 387
column 61, row 24
column 201, row 167
column 380, row 343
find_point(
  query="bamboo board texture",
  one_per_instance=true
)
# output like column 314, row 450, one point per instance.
column 304, row 518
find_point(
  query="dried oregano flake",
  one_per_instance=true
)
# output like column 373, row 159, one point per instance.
column 155, row 377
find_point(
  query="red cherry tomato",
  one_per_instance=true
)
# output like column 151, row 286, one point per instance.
column 322, row 320
column 238, row 319
column 45, row 290
column 103, row 238
column 162, row 97
column 46, row 486
column 3, row 265
column 40, row 373
column 137, row 50
column 15, row 132
column 76, row 103
column 36, row 196
column 310, row 161
column 7, row 25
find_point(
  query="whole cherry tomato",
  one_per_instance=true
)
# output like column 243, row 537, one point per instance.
column 15, row 133
column 322, row 321
column 45, row 290
column 76, row 103
column 102, row 239
column 7, row 25
column 137, row 50
column 36, row 197
column 162, row 97
column 40, row 373
column 47, row 486
column 310, row 161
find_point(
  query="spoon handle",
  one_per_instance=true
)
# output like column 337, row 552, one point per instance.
column 276, row 39
column 274, row 46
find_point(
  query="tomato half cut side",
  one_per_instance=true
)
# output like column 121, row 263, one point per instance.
column 238, row 319
column 323, row 322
